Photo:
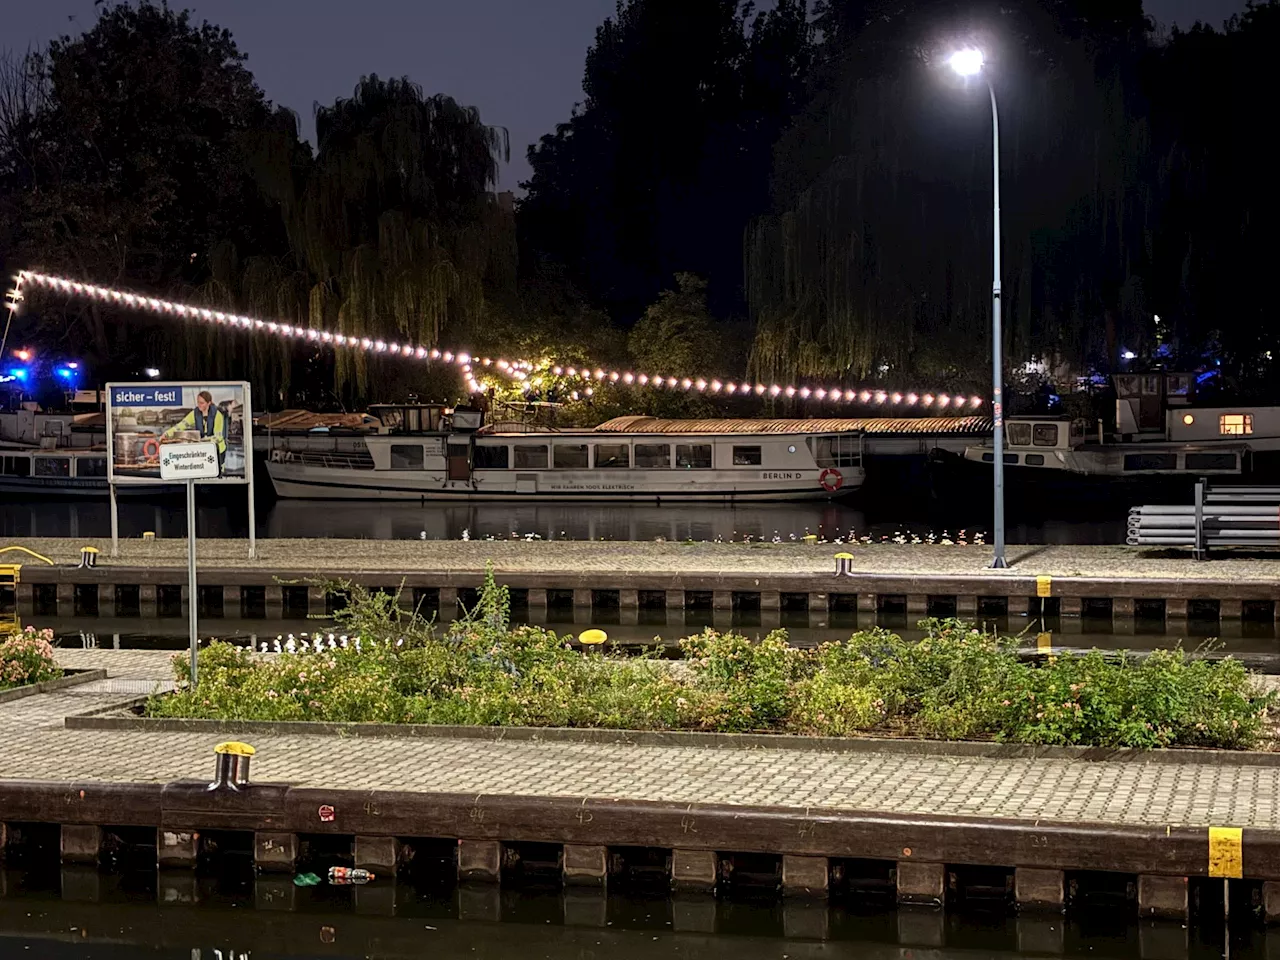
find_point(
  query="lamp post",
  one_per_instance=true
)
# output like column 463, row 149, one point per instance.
column 969, row 63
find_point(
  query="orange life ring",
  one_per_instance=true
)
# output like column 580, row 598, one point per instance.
column 831, row 479
column 152, row 442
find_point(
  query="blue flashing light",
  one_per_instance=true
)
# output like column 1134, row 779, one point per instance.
column 1207, row 375
column 18, row 373
column 64, row 372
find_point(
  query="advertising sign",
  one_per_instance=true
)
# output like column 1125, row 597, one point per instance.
column 149, row 424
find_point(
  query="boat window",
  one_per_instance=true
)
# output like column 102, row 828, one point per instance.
column 612, row 456
column 490, row 458
column 693, row 456
column 406, row 456
column 746, row 457
column 1151, row 461
column 1211, row 461
column 571, row 456
column 1034, row 460
column 841, row 450
column 17, row 466
column 1235, row 424
column 1045, row 435
column 53, row 466
column 1018, row 434
column 91, row 467
column 530, row 457
column 653, row 455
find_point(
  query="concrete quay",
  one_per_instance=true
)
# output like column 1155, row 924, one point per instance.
column 924, row 829
column 1119, row 582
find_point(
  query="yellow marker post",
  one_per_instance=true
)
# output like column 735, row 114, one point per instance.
column 1226, row 852
column 592, row 638
column 1044, row 642
column 1043, row 587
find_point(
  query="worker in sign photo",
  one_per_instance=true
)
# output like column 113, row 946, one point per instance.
column 208, row 421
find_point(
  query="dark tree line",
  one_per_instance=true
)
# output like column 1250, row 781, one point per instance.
column 795, row 191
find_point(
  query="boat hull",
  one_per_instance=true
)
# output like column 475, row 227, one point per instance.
column 293, row 481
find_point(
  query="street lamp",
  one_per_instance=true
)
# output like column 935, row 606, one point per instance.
column 969, row 63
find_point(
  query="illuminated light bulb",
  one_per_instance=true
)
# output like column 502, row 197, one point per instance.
column 805, row 392
column 975, row 401
column 672, row 382
column 912, row 398
column 774, row 390
column 570, row 372
column 23, row 355
column 820, row 393
column 258, row 324
column 790, row 391
column 700, row 384
column 614, row 376
column 557, row 370
column 487, row 362
column 851, row 395
column 865, row 396
column 502, row 364
column 574, row 395
column 448, row 357
column 715, row 386
column 589, row 391
column 599, row 374
column 881, row 396
column 943, row 400
column 760, row 389
column 435, row 354
column 730, row 388
column 927, row 399
column 686, row 383
column 464, row 358
column 896, row 398
column 628, row 378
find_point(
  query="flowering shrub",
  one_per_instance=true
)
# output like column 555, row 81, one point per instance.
column 955, row 683
column 26, row 658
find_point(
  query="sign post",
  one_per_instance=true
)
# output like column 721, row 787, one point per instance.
column 188, row 433
column 189, row 462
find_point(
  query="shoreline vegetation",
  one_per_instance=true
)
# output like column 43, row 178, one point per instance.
column 957, row 683
column 27, row 658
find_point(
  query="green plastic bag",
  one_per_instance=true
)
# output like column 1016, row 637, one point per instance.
column 306, row 880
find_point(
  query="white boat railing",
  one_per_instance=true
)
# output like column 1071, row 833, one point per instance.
column 332, row 459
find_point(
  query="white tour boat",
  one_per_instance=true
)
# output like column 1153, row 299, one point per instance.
column 422, row 453
column 1159, row 433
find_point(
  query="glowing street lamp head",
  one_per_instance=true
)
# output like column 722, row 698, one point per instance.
column 967, row 63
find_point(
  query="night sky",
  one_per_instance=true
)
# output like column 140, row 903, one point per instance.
column 519, row 61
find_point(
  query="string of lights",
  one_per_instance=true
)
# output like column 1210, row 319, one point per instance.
column 472, row 368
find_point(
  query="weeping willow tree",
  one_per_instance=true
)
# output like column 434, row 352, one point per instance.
column 393, row 228
column 877, row 261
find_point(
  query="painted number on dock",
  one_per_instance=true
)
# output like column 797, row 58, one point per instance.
column 1226, row 854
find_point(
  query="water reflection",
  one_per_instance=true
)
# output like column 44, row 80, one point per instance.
column 81, row 913
column 225, row 516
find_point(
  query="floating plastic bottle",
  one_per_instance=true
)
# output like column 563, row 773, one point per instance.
column 340, row 876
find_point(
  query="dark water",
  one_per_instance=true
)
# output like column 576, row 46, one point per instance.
column 227, row 516
column 1254, row 643
column 80, row 914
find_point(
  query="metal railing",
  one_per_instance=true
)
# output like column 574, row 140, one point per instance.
column 1229, row 516
column 335, row 460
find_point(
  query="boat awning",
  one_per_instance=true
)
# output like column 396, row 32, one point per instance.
column 879, row 426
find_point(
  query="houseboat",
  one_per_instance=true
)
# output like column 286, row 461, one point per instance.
column 427, row 453
column 1159, row 433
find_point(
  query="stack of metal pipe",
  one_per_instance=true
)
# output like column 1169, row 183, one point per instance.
column 1222, row 516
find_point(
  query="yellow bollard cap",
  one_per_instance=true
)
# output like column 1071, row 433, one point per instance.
column 88, row 549
column 149, row 535
column 235, row 747
column 592, row 637
column 844, row 556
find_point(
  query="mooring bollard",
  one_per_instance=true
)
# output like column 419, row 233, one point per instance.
column 88, row 557
column 232, row 771
column 844, row 564
column 592, row 638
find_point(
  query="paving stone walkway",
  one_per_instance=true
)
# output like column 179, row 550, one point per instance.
column 334, row 557
column 34, row 744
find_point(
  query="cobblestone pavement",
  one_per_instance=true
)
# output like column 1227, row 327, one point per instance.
column 35, row 744
column 335, row 557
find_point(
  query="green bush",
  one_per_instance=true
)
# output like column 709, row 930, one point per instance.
column 27, row 658
column 955, row 683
